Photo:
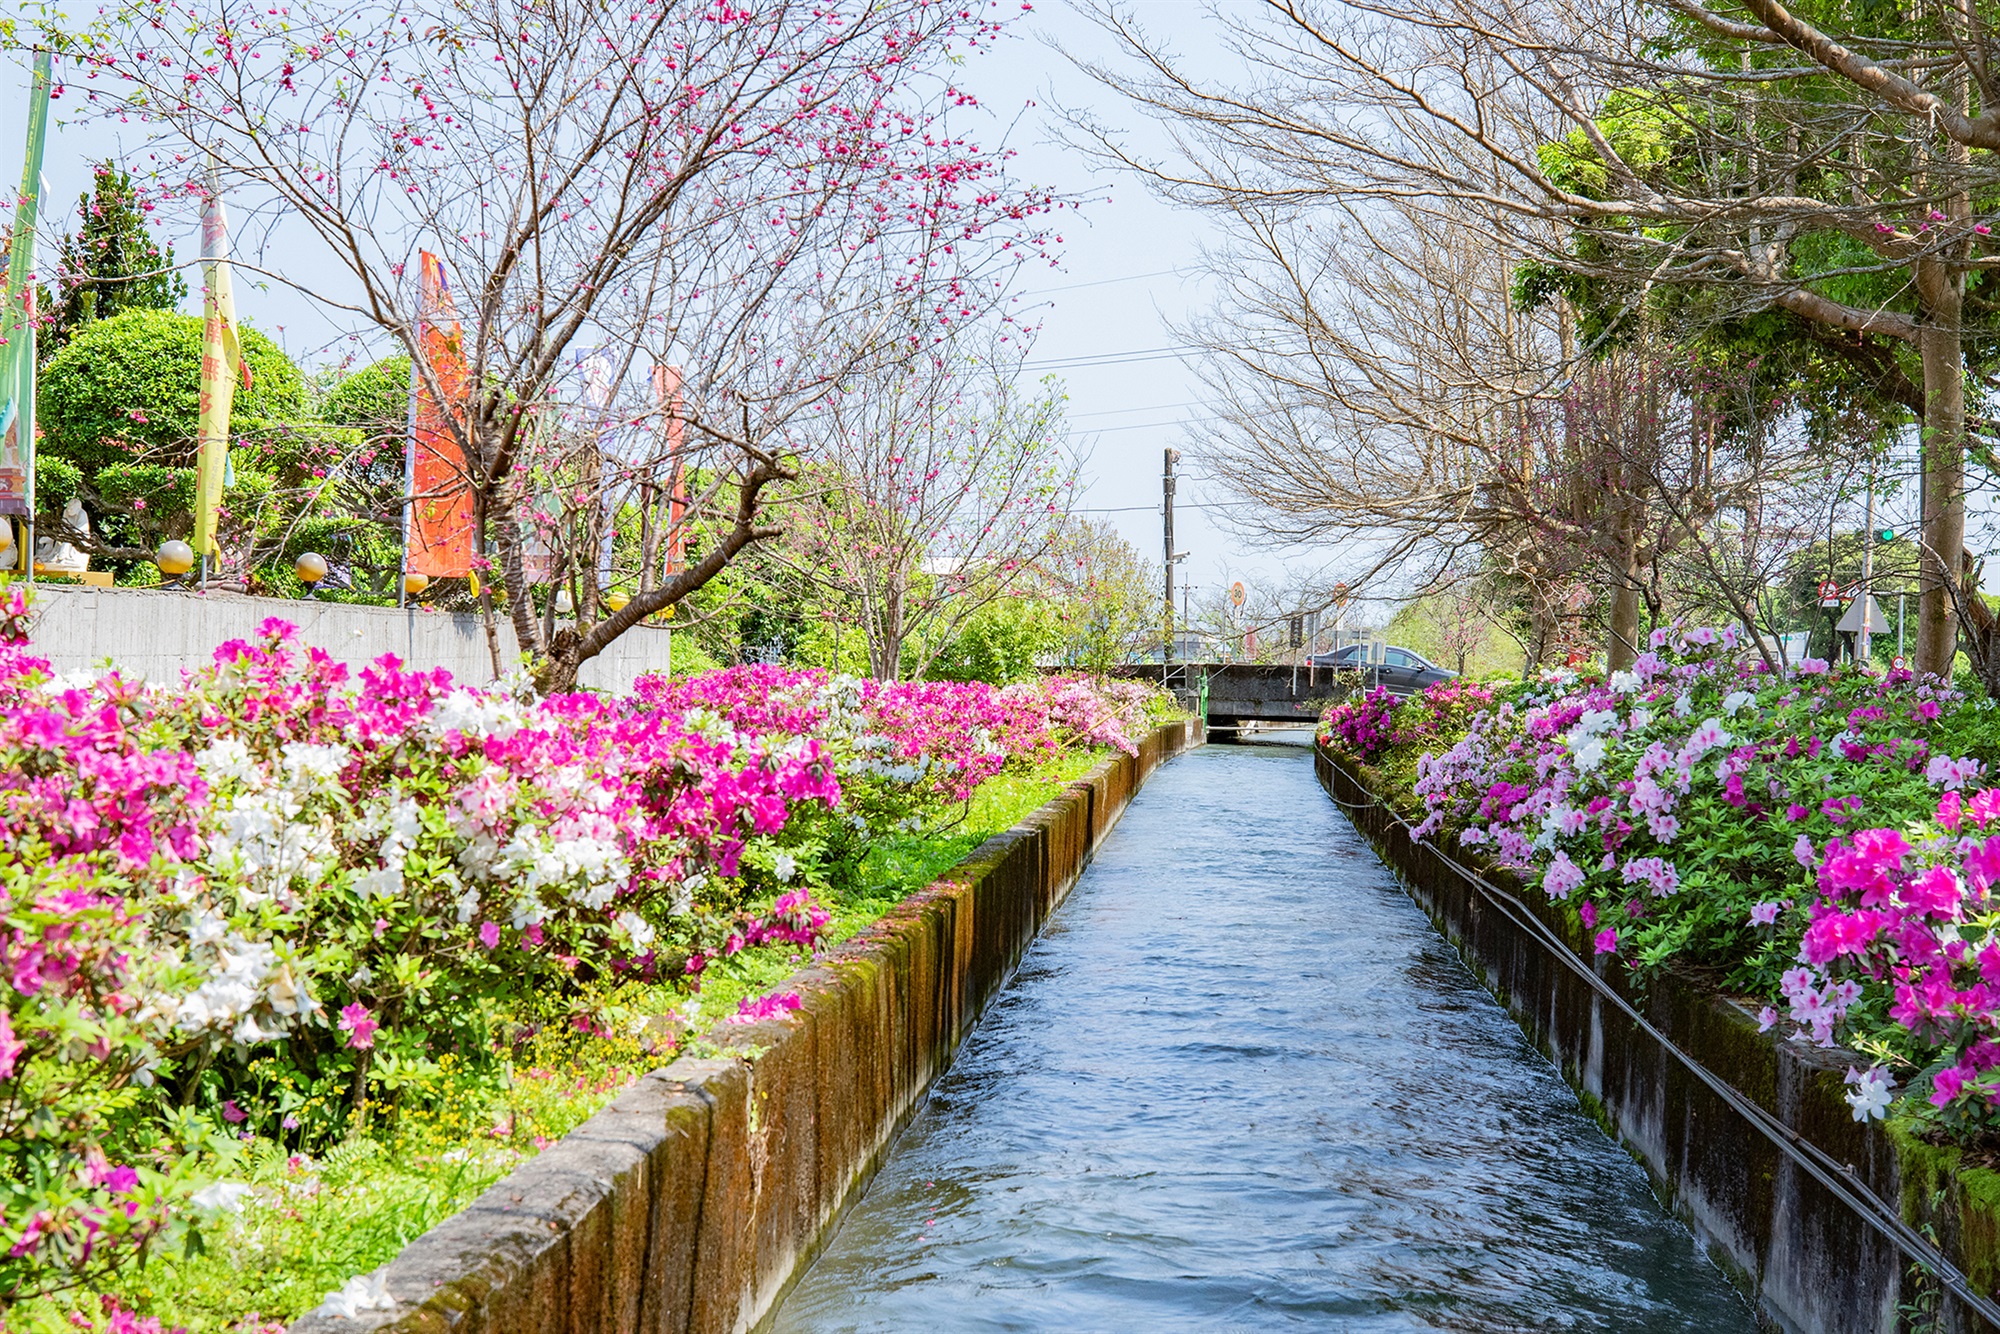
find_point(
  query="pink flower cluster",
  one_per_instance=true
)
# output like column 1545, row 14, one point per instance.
column 750, row 1011
column 1915, row 921
column 1366, row 725
column 1675, row 805
column 944, row 737
column 279, row 850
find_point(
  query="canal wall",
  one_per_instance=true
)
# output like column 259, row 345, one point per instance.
column 1809, row 1261
column 694, row 1200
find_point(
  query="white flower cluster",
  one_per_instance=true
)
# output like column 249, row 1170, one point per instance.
column 362, row 1293
column 399, row 822
column 251, row 993
column 475, row 714
column 263, row 830
column 591, row 869
column 1587, row 746
column 262, row 837
column 876, row 757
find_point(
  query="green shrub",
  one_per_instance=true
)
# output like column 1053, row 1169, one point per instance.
column 374, row 399
column 132, row 385
column 1000, row 642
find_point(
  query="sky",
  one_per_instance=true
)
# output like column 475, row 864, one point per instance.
column 1130, row 269
column 1128, row 272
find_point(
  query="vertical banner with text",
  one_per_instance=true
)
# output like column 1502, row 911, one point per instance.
column 17, row 319
column 222, row 365
column 441, row 516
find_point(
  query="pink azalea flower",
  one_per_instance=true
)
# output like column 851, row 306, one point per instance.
column 10, row 1047
column 360, row 1025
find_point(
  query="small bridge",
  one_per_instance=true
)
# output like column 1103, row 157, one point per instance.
column 1231, row 694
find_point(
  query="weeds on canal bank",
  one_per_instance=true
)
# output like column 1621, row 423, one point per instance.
column 292, row 952
column 1816, row 836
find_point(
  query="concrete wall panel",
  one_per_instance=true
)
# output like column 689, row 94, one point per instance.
column 158, row 634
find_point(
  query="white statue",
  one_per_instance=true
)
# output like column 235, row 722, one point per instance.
column 57, row 557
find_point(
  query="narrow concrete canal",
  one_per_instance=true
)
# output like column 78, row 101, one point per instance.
column 1241, row 1084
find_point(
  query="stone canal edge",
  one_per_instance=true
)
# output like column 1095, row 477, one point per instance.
column 696, row 1199
column 1804, row 1257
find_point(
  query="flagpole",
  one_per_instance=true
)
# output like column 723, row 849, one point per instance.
column 409, row 467
column 18, row 359
column 221, row 366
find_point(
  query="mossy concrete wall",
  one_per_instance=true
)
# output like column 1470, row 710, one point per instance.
column 691, row 1203
column 1807, row 1260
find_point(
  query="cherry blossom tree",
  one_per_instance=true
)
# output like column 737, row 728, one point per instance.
column 771, row 200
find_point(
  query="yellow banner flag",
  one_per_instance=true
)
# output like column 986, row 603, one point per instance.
column 221, row 365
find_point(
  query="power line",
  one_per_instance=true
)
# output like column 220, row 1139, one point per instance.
column 1170, row 351
column 1100, row 282
column 1150, row 426
column 1151, row 407
column 1155, row 509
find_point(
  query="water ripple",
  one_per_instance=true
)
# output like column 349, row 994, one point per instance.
column 1240, row 1084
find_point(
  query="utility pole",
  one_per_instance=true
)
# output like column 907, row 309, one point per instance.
column 1167, row 495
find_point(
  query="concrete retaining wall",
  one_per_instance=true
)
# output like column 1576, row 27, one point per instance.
column 1809, row 1262
column 692, row 1202
column 158, row 633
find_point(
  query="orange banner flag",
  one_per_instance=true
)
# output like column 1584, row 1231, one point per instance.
column 440, row 538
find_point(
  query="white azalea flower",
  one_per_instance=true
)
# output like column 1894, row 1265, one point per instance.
column 1870, row 1093
column 362, row 1293
column 224, row 1197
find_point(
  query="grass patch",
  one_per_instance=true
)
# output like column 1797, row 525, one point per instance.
column 307, row 1225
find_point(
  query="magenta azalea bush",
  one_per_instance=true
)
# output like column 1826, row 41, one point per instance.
column 281, row 892
column 1814, row 837
column 1366, row 725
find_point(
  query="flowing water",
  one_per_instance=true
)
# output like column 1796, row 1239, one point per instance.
column 1240, row 1083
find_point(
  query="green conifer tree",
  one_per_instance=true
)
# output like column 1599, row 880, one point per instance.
column 110, row 263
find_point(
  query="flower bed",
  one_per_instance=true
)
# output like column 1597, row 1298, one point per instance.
column 284, row 940
column 1813, row 838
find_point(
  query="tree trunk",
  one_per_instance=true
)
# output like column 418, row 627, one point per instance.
column 486, row 617
column 1623, row 647
column 1942, row 292
column 885, row 638
column 520, row 607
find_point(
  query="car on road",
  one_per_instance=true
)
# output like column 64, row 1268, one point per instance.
column 1401, row 671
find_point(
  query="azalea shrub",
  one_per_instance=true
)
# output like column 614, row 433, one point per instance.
column 1371, row 724
column 1814, row 837
column 282, row 897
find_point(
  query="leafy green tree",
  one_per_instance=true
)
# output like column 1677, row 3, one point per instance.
column 1002, row 641
column 120, row 411
column 375, row 399
column 110, row 263
column 1104, row 594
column 128, row 389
